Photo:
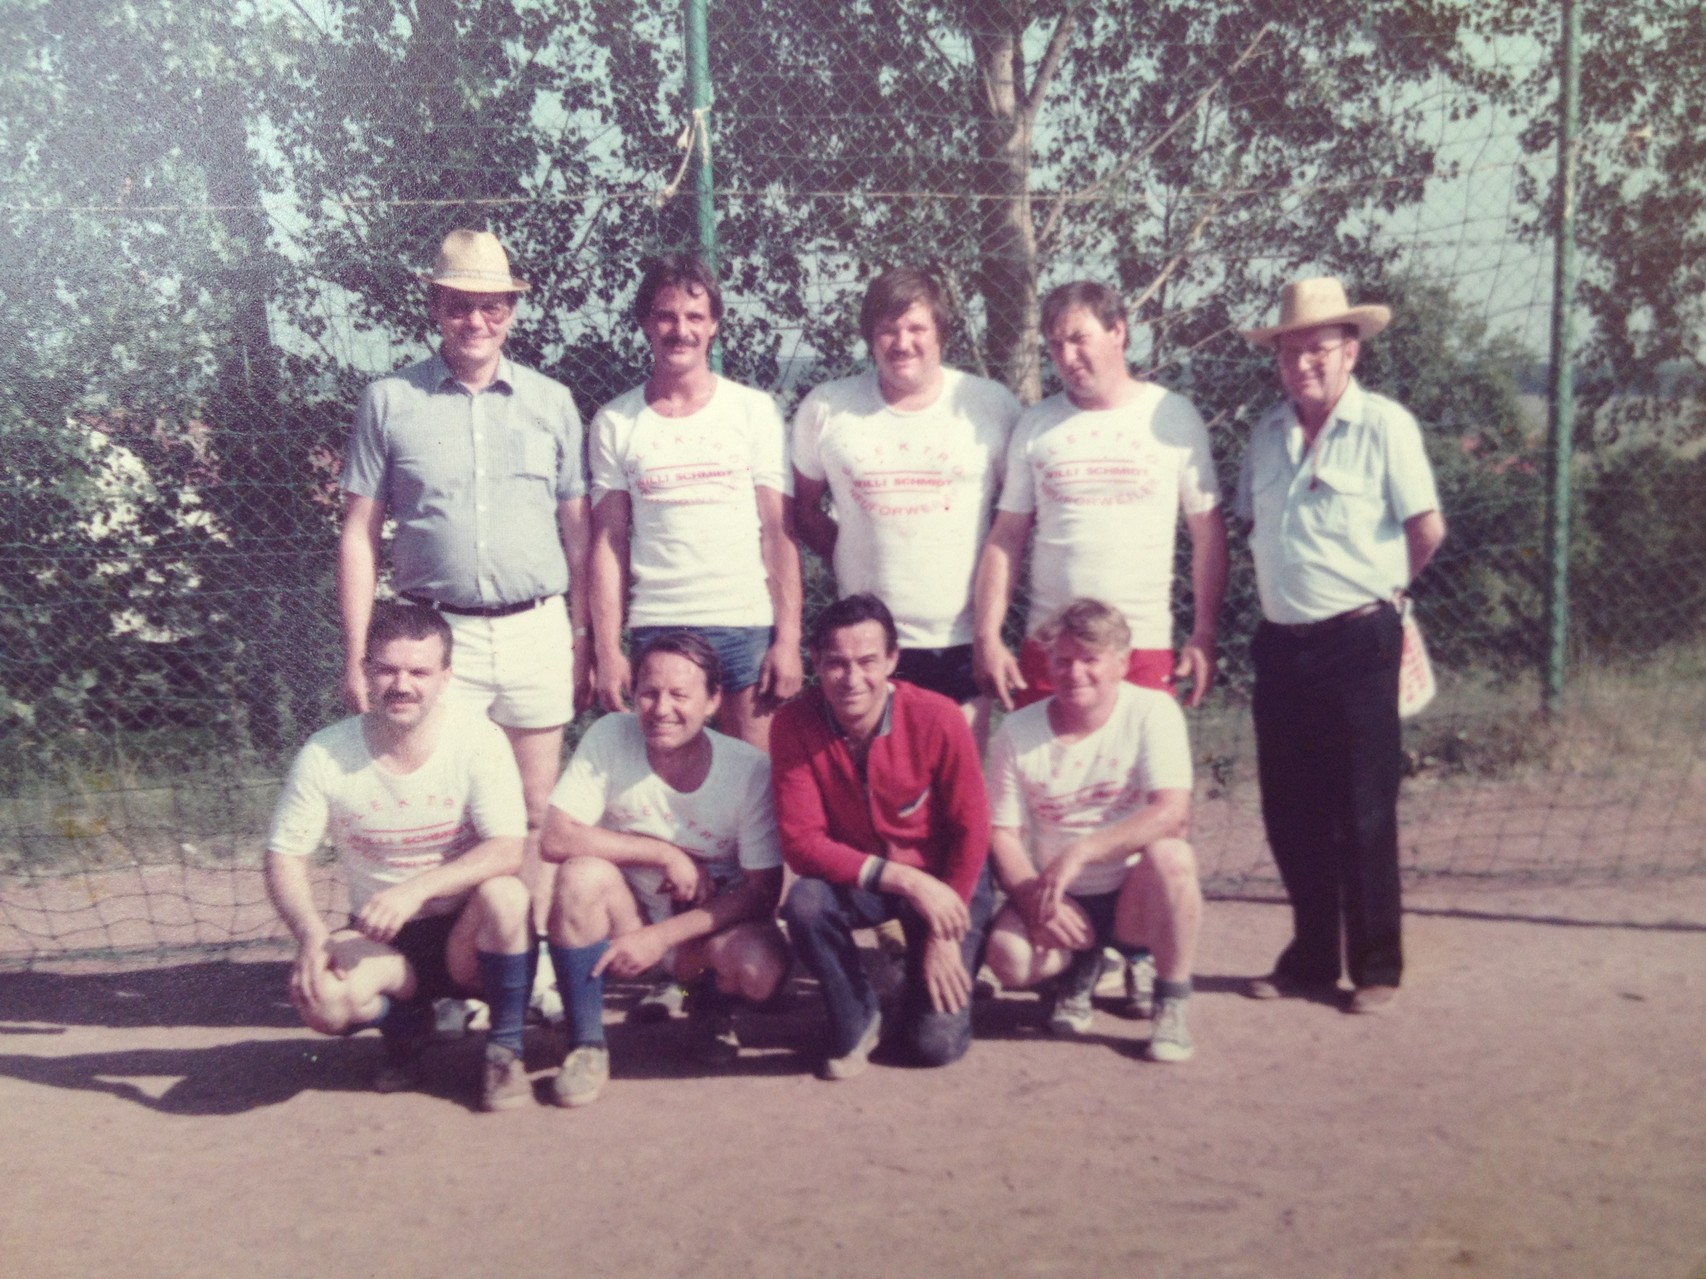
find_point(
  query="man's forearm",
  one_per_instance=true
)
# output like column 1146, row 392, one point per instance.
column 1208, row 572
column 781, row 554
column 293, row 898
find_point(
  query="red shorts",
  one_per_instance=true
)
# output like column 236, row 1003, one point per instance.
column 1148, row 668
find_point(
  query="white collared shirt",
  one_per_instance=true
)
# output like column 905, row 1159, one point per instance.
column 1328, row 521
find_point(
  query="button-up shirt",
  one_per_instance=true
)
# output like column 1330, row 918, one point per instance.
column 473, row 480
column 1328, row 520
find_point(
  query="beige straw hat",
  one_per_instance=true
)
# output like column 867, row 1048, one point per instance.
column 1307, row 303
column 474, row 262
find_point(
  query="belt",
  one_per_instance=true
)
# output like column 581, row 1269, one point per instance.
column 1310, row 630
column 497, row 610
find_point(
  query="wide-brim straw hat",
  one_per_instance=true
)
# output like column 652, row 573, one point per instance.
column 1304, row 304
column 474, row 262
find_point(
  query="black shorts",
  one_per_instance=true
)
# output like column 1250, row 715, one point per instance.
column 1099, row 909
column 425, row 943
column 941, row 670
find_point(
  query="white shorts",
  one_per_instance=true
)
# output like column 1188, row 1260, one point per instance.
column 519, row 670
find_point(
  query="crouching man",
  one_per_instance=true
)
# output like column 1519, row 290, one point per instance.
column 667, row 838
column 884, row 815
column 424, row 807
column 1090, row 795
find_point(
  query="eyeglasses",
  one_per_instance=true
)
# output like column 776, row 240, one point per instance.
column 1315, row 354
column 494, row 309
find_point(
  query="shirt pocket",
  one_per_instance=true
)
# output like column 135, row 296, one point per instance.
column 1341, row 501
column 533, row 454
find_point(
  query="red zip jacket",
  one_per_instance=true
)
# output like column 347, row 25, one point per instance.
column 922, row 802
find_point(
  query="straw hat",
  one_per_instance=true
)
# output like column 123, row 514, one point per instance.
column 474, row 262
column 1307, row 303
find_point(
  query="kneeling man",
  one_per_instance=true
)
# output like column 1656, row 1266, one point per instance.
column 667, row 837
column 1090, row 792
column 424, row 806
column 883, row 815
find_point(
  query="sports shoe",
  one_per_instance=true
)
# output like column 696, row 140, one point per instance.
column 855, row 1061
column 452, row 1018
column 1172, row 1038
column 1071, row 1013
column 1140, row 987
column 661, row 1003
column 715, row 1041
column 1373, row 999
column 505, row 1084
column 585, row 1072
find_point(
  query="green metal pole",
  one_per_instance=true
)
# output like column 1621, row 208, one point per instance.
column 699, row 91
column 1563, row 407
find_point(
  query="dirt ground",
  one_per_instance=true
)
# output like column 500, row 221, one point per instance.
column 1534, row 1107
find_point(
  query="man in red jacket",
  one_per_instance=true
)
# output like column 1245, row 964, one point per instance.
column 882, row 812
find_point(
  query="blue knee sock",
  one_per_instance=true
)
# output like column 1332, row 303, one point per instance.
column 504, row 984
column 583, row 994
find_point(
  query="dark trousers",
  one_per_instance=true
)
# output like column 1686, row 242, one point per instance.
column 1329, row 759
column 821, row 918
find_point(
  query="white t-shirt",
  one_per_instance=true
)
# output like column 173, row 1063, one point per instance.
column 1107, row 487
column 912, row 492
column 694, row 544
column 389, row 827
column 1053, row 793
column 729, row 822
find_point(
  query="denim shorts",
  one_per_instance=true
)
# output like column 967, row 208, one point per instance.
column 740, row 649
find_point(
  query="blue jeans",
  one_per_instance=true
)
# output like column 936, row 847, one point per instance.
column 740, row 649
column 821, row 918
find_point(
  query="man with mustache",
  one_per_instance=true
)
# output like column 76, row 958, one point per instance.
column 423, row 803
column 692, row 511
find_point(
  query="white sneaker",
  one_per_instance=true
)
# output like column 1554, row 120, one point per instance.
column 854, row 1063
column 1171, row 1041
column 454, row 1018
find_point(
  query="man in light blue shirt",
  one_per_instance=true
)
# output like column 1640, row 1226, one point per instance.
column 480, row 463
column 1344, row 515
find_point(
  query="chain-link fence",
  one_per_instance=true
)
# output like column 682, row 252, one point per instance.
column 213, row 218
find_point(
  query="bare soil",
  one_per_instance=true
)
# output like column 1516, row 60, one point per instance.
column 1532, row 1107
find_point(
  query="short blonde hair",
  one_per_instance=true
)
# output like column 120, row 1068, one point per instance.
column 1089, row 622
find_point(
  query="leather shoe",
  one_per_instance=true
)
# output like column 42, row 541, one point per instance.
column 1373, row 999
column 1279, row 986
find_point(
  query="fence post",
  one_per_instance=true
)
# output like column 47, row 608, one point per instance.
column 699, row 91
column 1562, row 392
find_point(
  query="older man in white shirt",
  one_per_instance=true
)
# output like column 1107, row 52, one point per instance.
column 1344, row 515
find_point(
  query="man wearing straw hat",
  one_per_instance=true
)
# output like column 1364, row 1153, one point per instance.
column 1344, row 515
column 480, row 463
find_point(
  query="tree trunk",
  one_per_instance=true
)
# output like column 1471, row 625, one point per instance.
column 1007, row 271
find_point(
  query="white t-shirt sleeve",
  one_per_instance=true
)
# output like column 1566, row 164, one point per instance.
column 1018, row 489
column 1199, row 483
column 760, row 845
column 807, row 439
column 494, row 784
column 1164, row 754
column 584, row 788
column 1006, row 795
column 769, row 445
column 300, row 819
column 605, row 470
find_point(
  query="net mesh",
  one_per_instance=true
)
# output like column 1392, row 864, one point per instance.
column 213, row 217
